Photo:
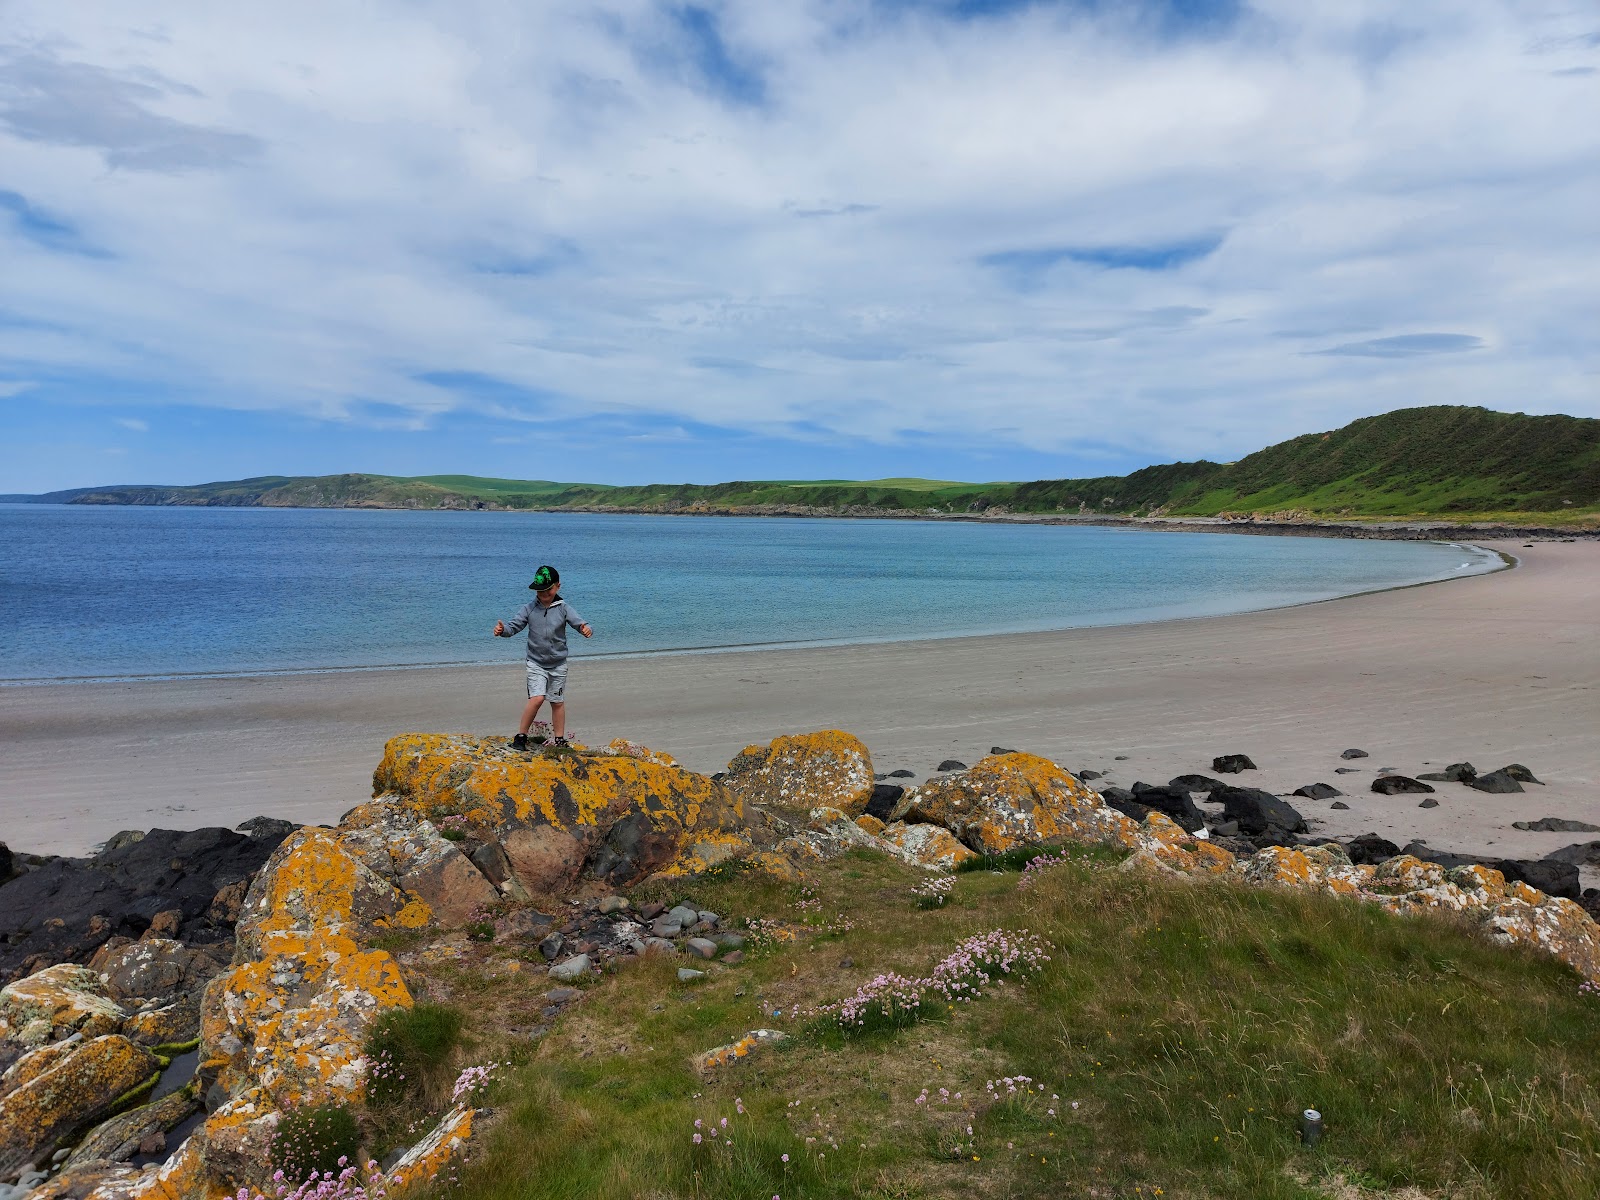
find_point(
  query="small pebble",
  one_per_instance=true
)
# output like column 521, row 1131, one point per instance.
column 689, row 975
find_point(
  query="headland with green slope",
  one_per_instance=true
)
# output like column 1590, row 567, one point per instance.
column 1444, row 463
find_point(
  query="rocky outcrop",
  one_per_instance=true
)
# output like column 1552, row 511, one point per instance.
column 57, row 1090
column 64, row 909
column 802, row 771
column 559, row 818
column 1005, row 801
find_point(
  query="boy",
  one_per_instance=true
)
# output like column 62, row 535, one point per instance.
column 546, row 620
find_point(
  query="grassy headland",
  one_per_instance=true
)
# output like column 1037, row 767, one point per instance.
column 1442, row 463
column 1177, row 1032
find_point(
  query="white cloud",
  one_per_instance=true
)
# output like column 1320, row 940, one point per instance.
column 134, row 423
column 481, row 205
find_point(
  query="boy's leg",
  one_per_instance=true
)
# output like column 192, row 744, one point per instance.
column 558, row 718
column 558, row 700
column 529, row 712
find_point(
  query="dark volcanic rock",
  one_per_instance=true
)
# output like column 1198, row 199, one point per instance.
column 1232, row 764
column 951, row 764
column 1444, row 858
column 1454, row 773
column 1196, row 783
column 1258, row 812
column 1353, row 754
column 1125, row 803
column 1318, row 791
column 267, row 827
column 1556, row 825
column 1117, row 796
column 1430, row 802
column 1497, row 782
column 1347, row 770
column 1550, row 876
column 883, row 799
column 65, row 908
column 1400, row 785
column 1175, row 802
column 1090, row 776
column 1000, row 750
column 1591, row 902
column 902, row 773
column 1579, row 854
column 1369, row 849
column 7, row 863
column 1520, row 773
column 1339, row 804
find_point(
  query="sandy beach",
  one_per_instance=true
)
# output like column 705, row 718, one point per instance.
column 1491, row 669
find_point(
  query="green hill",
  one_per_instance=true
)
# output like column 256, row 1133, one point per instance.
column 1445, row 461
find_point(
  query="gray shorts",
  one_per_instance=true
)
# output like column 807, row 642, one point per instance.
column 549, row 682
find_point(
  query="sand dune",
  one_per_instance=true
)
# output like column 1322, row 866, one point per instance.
column 1492, row 669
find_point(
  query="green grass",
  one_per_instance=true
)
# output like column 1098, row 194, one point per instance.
column 1190, row 1022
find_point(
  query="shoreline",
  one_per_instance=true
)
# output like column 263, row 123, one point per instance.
column 1500, row 668
column 1507, row 562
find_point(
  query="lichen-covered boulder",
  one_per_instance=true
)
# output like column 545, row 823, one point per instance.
column 927, row 846
column 155, row 966
column 117, row 1139
column 73, row 1090
column 829, row 768
column 613, row 817
column 1010, row 800
column 61, row 999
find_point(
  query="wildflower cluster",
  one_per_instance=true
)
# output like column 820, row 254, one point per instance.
column 1021, row 1088
column 764, row 931
column 932, row 893
column 1589, row 988
column 453, row 827
column 472, row 1081
column 1037, row 866
column 716, row 1132
column 348, row 1183
column 987, row 958
column 890, row 1001
column 809, row 902
column 386, row 1077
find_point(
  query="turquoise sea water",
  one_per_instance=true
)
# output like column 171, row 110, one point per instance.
column 108, row 593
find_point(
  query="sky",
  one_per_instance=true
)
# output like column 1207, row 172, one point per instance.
column 624, row 241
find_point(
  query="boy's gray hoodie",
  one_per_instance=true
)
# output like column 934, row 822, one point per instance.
column 547, row 630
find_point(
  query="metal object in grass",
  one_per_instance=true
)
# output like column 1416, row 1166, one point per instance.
column 1310, row 1126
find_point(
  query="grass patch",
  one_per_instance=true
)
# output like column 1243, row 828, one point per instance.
column 1177, row 1031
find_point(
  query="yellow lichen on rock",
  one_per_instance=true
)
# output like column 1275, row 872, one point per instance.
column 870, row 824
column 444, row 1142
column 802, row 771
column 927, row 846
column 734, row 1052
column 71, row 1090
column 1010, row 800
column 66, row 998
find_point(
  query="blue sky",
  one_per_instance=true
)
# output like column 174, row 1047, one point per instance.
column 630, row 241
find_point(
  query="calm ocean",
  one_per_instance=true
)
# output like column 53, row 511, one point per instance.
column 113, row 592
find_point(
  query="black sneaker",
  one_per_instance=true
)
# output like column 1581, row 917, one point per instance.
column 559, row 743
column 520, row 742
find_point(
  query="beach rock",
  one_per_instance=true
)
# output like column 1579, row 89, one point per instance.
column 1430, row 802
column 612, row 817
column 72, row 1090
column 951, row 764
column 1579, row 854
column 119, row 1138
column 1454, row 773
column 1444, row 858
column 1318, row 791
column 1000, row 750
column 64, row 909
column 829, row 768
column 1520, row 773
column 1339, row 804
column 1399, row 785
column 1006, row 801
column 1232, row 764
column 881, row 803
column 1347, row 770
column 8, row 863
column 1257, row 812
column 1090, row 776
column 1118, row 796
column 1174, row 802
column 1556, row 825
column 927, row 846
column 1370, row 849
column 270, row 829
column 1353, row 754
column 901, row 774
column 701, row 947
column 1496, row 782
column 1196, row 783
column 1551, row 876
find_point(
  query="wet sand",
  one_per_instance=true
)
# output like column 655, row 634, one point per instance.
column 1492, row 669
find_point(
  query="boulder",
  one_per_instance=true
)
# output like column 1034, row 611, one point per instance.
column 800, row 772
column 951, row 764
column 1258, row 813
column 65, row 908
column 1232, row 764
column 1196, row 783
column 1174, row 802
column 121, row 1137
column 901, row 774
column 1005, row 801
column 1579, row 854
column 1444, row 858
column 1556, row 825
column 1551, row 876
column 156, row 967
column 1455, row 773
column 1353, row 754
column 72, row 1091
column 1370, row 849
column 1429, row 802
column 1318, row 791
column 885, row 796
column 612, row 817
column 272, row 829
column 572, row 968
column 1340, row 804
column 1496, row 782
column 56, row 1001
column 927, row 845
column 1520, row 773
column 8, row 863
column 1399, row 785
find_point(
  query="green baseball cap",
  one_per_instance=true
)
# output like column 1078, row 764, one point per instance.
column 543, row 578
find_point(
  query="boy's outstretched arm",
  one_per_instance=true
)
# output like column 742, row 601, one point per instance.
column 514, row 626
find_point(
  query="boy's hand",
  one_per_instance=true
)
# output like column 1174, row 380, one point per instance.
column 585, row 630
column 499, row 629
